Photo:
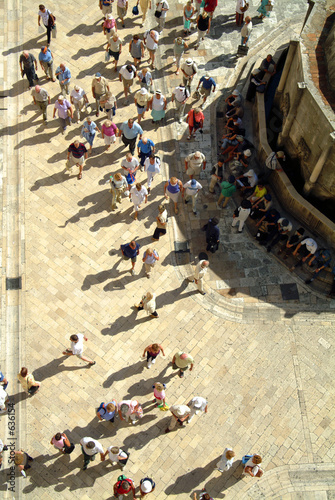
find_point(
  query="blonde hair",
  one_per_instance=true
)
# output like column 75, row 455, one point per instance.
column 149, row 295
column 115, row 450
column 149, row 251
column 110, row 407
column 173, row 180
column 108, row 123
column 159, row 386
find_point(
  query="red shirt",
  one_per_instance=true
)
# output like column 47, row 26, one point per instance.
column 211, row 5
column 119, row 488
column 198, row 117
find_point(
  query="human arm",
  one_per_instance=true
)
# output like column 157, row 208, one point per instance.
column 39, row 20
column 174, row 359
column 260, row 221
column 71, row 111
column 102, row 457
column 165, row 103
column 191, row 368
column 145, row 350
column 204, row 165
column 296, row 250
column 161, row 348
column 66, row 439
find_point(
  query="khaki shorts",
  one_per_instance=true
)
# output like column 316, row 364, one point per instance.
column 205, row 92
column 76, row 161
column 127, row 83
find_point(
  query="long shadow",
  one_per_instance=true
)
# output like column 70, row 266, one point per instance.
column 18, row 397
column 100, row 202
column 87, row 52
column 139, row 440
column 126, row 372
column 144, row 386
column 86, row 29
column 226, row 480
column 54, row 367
column 189, row 481
column 28, row 45
column 52, row 180
column 39, row 138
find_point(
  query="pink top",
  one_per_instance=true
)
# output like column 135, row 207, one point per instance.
column 109, row 131
column 159, row 394
column 58, row 444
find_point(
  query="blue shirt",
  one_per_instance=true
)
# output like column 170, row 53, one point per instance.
column 131, row 133
column 106, row 415
column 207, row 83
column 145, row 148
column 63, row 75
column 46, row 57
column 130, row 252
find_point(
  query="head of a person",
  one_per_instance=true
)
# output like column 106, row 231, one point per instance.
column 220, row 161
column 149, row 296
column 230, row 454
column 138, row 186
column 152, row 159
column 117, row 176
column 269, row 57
column 58, row 436
column 247, row 20
column 189, row 4
column 61, row 98
column 110, row 407
column 205, row 263
column 152, row 33
column 146, row 486
column 115, row 450
column 98, row 76
column 231, row 179
column 115, row 36
column 193, row 183
column 257, row 459
column 155, row 347
column 189, row 61
column 74, row 338
column 143, row 91
column 62, row 66
column 132, row 244
column 204, row 14
column 144, row 71
column 24, row 371
column 273, row 213
column 206, row 496
column 159, row 386
column 90, row 445
column 183, row 356
column 109, row 16
column 149, row 251
column 76, row 143
column 197, row 111
column 26, row 54
column 197, row 154
column 130, row 122
column 247, row 153
column 76, row 88
column 129, row 156
column 158, row 93
column 161, row 209
column 179, row 40
column 235, row 93
column 136, row 37
column 125, row 485
column 214, row 221
column 285, row 223
column 129, row 68
column 268, row 197
column 260, row 185
column 108, row 123
column 301, row 231
column 38, row 89
column 89, row 120
column 173, row 181
column 246, row 204
column 124, row 409
column 44, row 49
column 280, row 155
column 41, row 7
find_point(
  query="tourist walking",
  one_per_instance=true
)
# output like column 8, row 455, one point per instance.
column 190, row 192
column 127, row 74
column 138, row 194
column 106, row 7
column 131, row 251
column 159, row 394
column 196, row 405
column 136, row 50
column 64, row 77
column 77, row 348
column 147, row 485
column 145, row 148
column 4, row 399
column 189, row 70
column 152, row 351
column 78, row 99
column 240, row 10
column 203, row 25
column 199, row 273
column 193, row 164
column 188, row 12
column 130, row 165
column 48, row 20
column 246, row 31
column 76, row 155
column 203, row 495
column 195, row 120
column 161, row 223
column 119, row 186
column 178, row 50
column 228, row 188
column 129, row 131
column 212, row 234
column 46, row 59
column 157, row 104
column 64, row 111
column 162, row 6
column 91, row 447
column 172, row 189
column 3, row 381
column 252, row 465
column 151, row 167
column 148, row 304
column 62, row 443
column 114, row 48
column 145, row 79
column 226, row 460
column 122, row 8
column 21, row 460
column 28, row 382
column 181, row 361
column 28, row 67
column 150, row 257
column 241, row 214
column 151, row 38
column 144, row 6
column 180, row 95
column 180, row 414
column 210, row 6
column 109, row 26
column 130, row 410
column 117, row 456
column 108, row 132
column 123, row 486
column 99, row 88
column 141, row 98
column 89, row 131
column 207, row 85
column 107, row 411
column 108, row 103
column 216, row 174
column 41, row 99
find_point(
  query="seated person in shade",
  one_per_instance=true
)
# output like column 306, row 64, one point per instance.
column 247, row 182
column 243, row 157
column 255, row 81
column 321, row 260
column 267, row 226
column 261, row 206
column 305, row 249
column 284, row 227
column 258, row 194
column 291, row 244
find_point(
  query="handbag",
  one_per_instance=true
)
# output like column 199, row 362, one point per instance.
column 158, row 13
column 68, row 112
column 245, row 8
column 187, row 24
column 242, row 50
column 33, row 389
column 107, row 56
column 54, row 31
column 135, row 10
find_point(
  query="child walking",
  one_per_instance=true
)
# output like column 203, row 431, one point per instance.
column 159, row 394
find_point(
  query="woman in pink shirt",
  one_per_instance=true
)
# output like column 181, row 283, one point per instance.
column 62, row 443
column 108, row 132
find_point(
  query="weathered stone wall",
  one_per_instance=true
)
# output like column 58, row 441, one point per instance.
column 330, row 56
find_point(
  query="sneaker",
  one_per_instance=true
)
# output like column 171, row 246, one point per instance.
column 23, row 473
column 220, row 470
column 181, row 374
column 195, row 213
column 153, row 361
column 148, row 365
column 203, row 293
column 133, row 422
column 133, row 272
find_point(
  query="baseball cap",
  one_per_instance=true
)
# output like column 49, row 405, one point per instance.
column 193, row 182
column 61, row 98
column 98, row 75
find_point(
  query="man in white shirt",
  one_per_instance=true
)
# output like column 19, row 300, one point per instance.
column 77, row 348
column 127, row 74
column 78, row 98
column 240, row 8
column 180, row 95
column 130, row 164
column 191, row 190
column 189, row 69
column 193, row 163
column 306, row 248
column 199, row 272
column 138, row 194
column 90, row 447
column 151, row 167
column 151, row 41
column 197, row 404
column 246, row 31
column 162, row 7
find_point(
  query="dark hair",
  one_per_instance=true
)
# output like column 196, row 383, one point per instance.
column 245, row 204
column 58, row 436
column 90, row 445
column 231, row 179
column 136, row 37
column 74, row 338
column 41, row 7
column 129, row 68
column 152, row 156
column 125, row 484
column 221, row 159
column 300, row 230
column 214, row 221
column 24, row 371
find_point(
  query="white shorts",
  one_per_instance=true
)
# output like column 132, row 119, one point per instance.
column 109, row 139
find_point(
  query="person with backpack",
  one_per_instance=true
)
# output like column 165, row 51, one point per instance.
column 195, row 120
column 123, row 486
column 62, row 443
column 147, row 485
column 251, row 465
column 117, row 456
column 107, row 411
column 180, row 95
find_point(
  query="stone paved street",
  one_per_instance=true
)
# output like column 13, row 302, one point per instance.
column 264, row 364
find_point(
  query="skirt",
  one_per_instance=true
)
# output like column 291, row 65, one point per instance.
column 157, row 115
column 173, row 196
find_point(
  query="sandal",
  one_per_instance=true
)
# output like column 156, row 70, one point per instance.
column 80, row 176
column 176, row 211
column 93, row 363
column 189, row 138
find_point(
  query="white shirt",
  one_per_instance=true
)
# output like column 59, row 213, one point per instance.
column 311, row 245
column 224, row 463
column 271, row 162
column 252, row 178
column 77, row 95
column 190, row 190
column 45, row 16
column 137, row 197
column 200, row 272
column 195, row 162
column 78, row 347
column 126, row 74
column 3, row 397
column 181, row 93
column 239, row 5
column 246, row 29
column 132, row 164
column 114, row 458
column 97, row 446
column 154, row 168
column 149, row 41
column 200, row 402
column 287, row 228
column 163, row 5
column 190, row 69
